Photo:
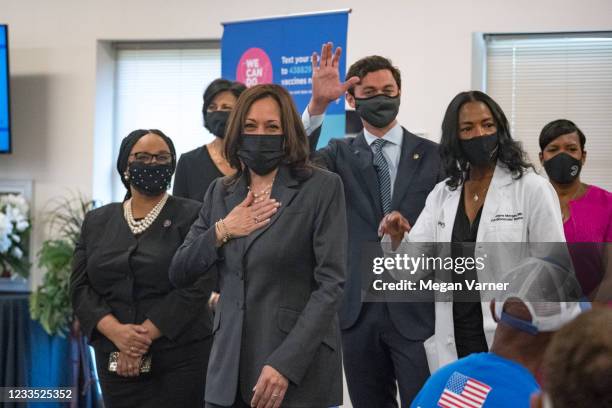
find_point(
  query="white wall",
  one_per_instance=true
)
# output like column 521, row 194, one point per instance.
column 53, row 51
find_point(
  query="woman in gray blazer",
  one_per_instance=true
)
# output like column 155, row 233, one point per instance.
column 276, row 234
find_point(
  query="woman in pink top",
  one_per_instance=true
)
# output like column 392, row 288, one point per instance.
column 587, row 209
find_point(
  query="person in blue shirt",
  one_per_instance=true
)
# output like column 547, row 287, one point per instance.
column 505, row 376
column 486, row 379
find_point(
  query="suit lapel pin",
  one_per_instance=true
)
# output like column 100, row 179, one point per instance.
column 167, row 223
column 416, row 156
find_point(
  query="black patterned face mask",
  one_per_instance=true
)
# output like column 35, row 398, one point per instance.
column 150, row 179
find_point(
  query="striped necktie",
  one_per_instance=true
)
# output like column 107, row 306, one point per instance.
column 384, row 179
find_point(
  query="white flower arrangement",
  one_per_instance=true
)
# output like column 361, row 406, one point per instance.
column 14, row 231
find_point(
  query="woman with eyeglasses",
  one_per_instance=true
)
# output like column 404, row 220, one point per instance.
column 151, row 340
column 198, row 168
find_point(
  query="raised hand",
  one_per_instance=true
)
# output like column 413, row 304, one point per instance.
column 326, row 83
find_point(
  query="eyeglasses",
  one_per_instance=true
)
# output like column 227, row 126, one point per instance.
column 144, row 157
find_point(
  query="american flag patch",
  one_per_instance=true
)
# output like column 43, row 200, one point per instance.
column 462, row 391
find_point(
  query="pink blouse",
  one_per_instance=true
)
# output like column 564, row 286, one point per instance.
column 590, row 221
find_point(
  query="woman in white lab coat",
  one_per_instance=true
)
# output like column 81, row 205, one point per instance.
column 491, row 195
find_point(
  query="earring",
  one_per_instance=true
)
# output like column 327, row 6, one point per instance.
column 126, row 175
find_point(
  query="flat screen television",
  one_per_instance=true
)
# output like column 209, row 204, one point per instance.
column 5, row 114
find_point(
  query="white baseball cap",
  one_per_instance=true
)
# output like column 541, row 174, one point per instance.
column 550, row 292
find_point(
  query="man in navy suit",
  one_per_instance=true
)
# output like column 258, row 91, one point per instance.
column 384, row 168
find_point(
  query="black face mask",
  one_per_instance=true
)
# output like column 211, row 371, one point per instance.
column 563, row 168
column 379, row 110
column 150, row 179
column 480, row 150
column 261, row 153
column 216, row 121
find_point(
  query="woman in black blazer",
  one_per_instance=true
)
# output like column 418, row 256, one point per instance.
column 276, row 234
column 121, row 293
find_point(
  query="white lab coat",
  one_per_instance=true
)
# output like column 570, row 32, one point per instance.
column 527, row 210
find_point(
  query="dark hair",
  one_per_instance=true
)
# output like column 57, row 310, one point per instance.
column 217, row 86
column 295, row 143
column 371, row 64
column 509, row 151
column 577, row 363
column 558, row 128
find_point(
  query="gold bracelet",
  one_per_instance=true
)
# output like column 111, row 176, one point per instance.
column 226, row 235
column 218, row 230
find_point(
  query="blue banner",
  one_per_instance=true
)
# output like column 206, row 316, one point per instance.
column 278, row 50
column 5, row 142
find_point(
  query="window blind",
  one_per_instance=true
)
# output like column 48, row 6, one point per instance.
column 161, row 88
column 540, row 78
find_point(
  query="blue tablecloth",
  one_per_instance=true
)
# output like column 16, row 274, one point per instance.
column 31, row 358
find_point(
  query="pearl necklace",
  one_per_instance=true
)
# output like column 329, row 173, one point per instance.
column 261, row 195
column 140, row 226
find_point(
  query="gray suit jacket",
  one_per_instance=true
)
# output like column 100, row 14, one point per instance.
column 281, row 287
